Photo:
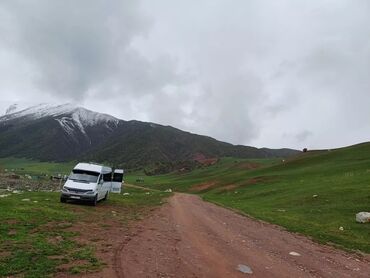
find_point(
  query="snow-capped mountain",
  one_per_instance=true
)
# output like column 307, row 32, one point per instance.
column 66, row 132
column 69, row 117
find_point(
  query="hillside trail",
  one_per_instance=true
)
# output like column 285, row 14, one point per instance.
column 188, row 237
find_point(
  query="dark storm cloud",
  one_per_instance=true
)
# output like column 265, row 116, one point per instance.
column 267, row 73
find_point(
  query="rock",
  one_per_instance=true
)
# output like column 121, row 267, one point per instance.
column 35, row 201
column 125, row 194
column 12, row 233
column 56, row 257
column 4, row 195
column 315, row 196
column 244, row 269
column 363, row 217
column 168, row 190
column 341, row 228
column 26, row 200
column 294, row 254
column 64, row 224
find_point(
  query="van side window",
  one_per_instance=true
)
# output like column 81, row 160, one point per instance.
column 107, row 177
column 117, row 177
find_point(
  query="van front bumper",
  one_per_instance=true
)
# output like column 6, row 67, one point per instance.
column 74, row 196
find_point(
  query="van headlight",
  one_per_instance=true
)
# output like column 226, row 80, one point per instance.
column 64, row 189
column 89, row 192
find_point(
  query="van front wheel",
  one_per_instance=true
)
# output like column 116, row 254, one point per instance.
column 95, row 201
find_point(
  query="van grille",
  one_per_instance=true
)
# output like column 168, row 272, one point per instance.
column 77, row 190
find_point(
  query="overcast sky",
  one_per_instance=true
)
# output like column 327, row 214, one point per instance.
column 274, row 73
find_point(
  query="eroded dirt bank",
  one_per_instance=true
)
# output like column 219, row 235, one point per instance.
column 191, row 238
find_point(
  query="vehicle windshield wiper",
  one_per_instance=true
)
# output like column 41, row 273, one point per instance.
column 79, row 180
column 84, row 181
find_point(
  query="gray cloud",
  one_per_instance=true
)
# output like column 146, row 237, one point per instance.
column 248, row 72
column 303, row 136
column 78, row 46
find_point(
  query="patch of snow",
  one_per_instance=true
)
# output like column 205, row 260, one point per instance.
column 66, row 124
column 11, row 109
column 18, row 106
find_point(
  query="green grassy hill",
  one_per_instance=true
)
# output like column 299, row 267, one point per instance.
column 314, row 193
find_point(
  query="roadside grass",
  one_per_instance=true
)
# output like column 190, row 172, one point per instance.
column 317, row 193
column 37, row 237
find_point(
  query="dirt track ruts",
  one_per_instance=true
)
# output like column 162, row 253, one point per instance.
column 188, row 237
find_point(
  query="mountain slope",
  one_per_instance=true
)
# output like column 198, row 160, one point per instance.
column 65, row 132
column 164, row 143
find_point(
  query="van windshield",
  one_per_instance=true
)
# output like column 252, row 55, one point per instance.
column 84, row 176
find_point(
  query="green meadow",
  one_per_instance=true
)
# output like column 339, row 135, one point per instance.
column 35, row 168
column 38, row 234
column 316, row 193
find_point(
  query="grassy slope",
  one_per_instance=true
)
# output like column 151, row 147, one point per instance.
column 34, row 236
column 282, row 192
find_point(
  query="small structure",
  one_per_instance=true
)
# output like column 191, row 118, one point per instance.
column 117, row 181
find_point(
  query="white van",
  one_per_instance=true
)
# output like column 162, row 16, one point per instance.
column 88, row 182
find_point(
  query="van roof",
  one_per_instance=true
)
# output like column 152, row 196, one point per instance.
column 93, row 167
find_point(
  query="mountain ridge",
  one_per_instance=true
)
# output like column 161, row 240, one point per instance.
column 67, row 132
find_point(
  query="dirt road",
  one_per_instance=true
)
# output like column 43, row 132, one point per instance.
column 191, row 238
